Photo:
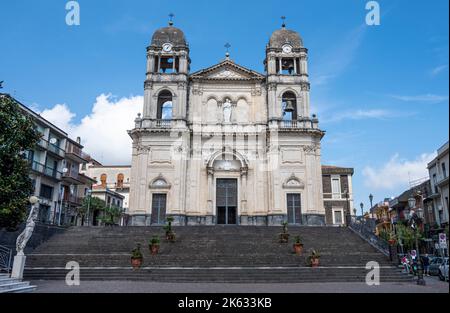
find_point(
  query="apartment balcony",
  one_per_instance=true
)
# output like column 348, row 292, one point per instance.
column 75, row 153
column 73, row 178
column 442, row 181
column 72, row 199
column 45, row 170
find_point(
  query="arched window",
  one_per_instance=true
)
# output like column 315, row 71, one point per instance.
column 165, row 106
column 289, row 106
column 120, row 179
column 103, row 180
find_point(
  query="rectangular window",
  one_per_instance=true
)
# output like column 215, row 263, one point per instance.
column 336, row 187
column 46, row 192
column 338, row 216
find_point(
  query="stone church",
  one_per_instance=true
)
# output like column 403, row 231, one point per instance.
column 226, row 144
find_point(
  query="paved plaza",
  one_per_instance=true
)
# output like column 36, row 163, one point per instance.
column 433, row 286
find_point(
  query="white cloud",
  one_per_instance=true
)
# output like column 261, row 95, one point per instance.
column 104, row 130
column 438, row 69
column 359, row 115
column 430, row 98
column 397, row 172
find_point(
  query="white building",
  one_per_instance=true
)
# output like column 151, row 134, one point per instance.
column 226, row 144
column 112, row 177
column 439, row 178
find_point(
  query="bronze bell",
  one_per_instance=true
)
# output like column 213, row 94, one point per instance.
column 289, row 106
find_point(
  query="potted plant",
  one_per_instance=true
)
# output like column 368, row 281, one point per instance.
column 298, row 245
column 314, row 259
column 284, row 236
column 392, row 239
column 170, row 235
column 154, row 245
column 136, row 257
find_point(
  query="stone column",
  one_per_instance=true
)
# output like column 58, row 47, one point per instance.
column 210, row 173
column 244, row 174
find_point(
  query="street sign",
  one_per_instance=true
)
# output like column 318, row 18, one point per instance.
column 442, row 241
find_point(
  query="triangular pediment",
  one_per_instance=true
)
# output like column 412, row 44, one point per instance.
column 227, row 70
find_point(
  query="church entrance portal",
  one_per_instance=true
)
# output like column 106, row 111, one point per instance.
column 226, row 201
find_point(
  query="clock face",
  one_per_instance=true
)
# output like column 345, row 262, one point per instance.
column 167, row 47
column 287, row 49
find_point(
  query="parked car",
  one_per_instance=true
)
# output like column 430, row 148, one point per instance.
column 443, row 270
column 434, row 266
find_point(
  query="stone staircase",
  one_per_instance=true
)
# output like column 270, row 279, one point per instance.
column 209, row 254
column 11, row 285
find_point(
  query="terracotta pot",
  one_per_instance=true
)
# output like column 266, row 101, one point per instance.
column 136, row 263
column 154, row 249
column 391, row 242
column 298, row 248
column 315, row 262
column 284, row 238
column 170, row 237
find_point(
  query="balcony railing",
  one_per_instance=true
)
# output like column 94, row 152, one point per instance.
column 74, row 150
column 43, row 169
column 164, row 123
column 72, row 174
column 73, row 199
column 299, row 124
column 55, row 149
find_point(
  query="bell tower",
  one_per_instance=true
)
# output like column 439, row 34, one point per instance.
column 168, row 66
column 287, row 76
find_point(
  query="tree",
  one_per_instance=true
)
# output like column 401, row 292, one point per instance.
column 17, row 135
column 91, row 204
column 111, row 215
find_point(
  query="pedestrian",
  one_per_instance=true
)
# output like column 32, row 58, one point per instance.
column 426, row 265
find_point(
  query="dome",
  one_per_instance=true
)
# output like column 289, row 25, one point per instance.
column 282, row 36
column 169, row 34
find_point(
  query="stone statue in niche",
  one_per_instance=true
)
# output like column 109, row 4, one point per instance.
column 227, row 110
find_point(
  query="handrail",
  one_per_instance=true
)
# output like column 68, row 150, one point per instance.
column 5, row 259
column 367, row 234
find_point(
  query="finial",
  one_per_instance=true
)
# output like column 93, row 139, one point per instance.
column 171, row 16
column 227, row 54
column 284, row 21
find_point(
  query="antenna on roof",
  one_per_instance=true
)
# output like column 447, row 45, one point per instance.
column 171, row 16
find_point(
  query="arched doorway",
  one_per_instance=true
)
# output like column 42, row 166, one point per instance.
column 227, row 183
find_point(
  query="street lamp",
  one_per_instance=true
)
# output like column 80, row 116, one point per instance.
column 362, row 209
column 89, row 192
column 347, row 196
column 371, row 204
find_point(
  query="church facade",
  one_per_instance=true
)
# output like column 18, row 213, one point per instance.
column 226, row 144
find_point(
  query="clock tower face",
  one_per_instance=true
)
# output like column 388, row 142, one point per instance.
column 167, row 47
column 287, row 48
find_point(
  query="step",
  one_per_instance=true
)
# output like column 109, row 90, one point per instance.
column 13, row 285
column 26, row 289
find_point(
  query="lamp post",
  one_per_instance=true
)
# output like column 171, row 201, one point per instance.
column 371, row 199
column 89, row 204
column 347, row 196
column 362, row 209
column 22, row 239
column 415, row 216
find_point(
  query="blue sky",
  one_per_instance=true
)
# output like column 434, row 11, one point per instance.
column 381, row 92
